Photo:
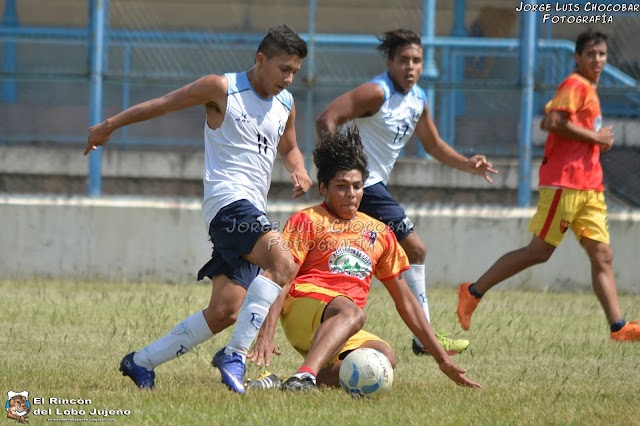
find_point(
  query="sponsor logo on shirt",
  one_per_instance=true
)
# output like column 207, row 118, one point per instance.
column 350, row 261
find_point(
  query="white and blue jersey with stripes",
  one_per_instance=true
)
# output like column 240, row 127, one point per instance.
column 239, row 155
column 385, row 133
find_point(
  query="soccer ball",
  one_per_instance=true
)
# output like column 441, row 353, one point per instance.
column 366, row 372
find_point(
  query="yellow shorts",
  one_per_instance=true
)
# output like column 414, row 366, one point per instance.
column 584, row 211
column 301, row 316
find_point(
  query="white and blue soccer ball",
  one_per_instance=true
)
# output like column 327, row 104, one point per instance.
column 366, row 372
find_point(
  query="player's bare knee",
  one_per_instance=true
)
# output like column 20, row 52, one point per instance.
column 417, row 257
column 542, row 257
column 219, row 317
column 416, row 253
column 356, row 318
column 391, row 356
column 601, row 255
column 282, row 269
column 539, row 255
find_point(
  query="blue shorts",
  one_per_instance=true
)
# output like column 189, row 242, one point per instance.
column 234, row 231
column 378, row 203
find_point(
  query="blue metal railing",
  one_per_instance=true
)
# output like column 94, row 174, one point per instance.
column 452, row 52
column 450, row 48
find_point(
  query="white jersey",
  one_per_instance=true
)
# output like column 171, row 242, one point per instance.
column 385, row 133
column 239, row 155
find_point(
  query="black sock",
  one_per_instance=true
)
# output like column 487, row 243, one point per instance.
column 617, row 326
column 474, row 292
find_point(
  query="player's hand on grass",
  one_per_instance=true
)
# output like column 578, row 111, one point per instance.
column 98, row 136
column 262, row 351
column 301, row 183
column 457, row 375
column 478, row 165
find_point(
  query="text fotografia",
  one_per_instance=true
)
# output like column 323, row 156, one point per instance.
column 75, row 411
column 577, row 13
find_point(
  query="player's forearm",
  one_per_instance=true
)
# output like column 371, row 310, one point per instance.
column 448, row 156
column 137, row 113
column 294, row 161
column 413, row 316
column 571, row 130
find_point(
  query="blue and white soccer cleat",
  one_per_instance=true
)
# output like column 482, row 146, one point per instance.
column 231, row 368
column 142, row 377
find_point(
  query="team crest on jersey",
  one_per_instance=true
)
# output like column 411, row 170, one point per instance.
column 370, row 236
column 564, row 225
column 350, row 261
column 243, row 118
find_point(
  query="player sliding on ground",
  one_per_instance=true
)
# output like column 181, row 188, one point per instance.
column 337, row 251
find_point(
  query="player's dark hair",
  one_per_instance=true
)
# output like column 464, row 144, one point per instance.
column 339, row 152
column 282, row 40
column 587, row 38
column 391, row 41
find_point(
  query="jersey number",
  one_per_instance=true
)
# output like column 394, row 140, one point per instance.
column 262, row 144
column 402, row 129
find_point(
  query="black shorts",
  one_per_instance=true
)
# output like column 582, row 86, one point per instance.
column 234, row 232
column 378, row 203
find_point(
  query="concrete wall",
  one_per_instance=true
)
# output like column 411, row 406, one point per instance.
column 127, row 239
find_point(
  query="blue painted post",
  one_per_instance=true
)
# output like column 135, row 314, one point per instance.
column 309, row 130
column 456, row 105
column 444, row 102
column 527, row 61
column 10, row 20
column 99, row 14
column 430, row 71
column 126, row 90
column 459, row 26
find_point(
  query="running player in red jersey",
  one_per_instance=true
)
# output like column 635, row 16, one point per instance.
column 571, row 191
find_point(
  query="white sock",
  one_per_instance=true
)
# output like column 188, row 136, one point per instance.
column 260, row 296
column 184, row 336
column 416, row 279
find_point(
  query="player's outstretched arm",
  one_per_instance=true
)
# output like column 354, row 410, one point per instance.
column 414, row 317
column 208, row 90
column 292, row 157
column 363, row 101
column 441, row 151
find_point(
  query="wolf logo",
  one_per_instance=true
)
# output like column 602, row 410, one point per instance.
column 18, row 406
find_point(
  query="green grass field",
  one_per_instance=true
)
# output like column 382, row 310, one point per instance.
column 543, row 358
